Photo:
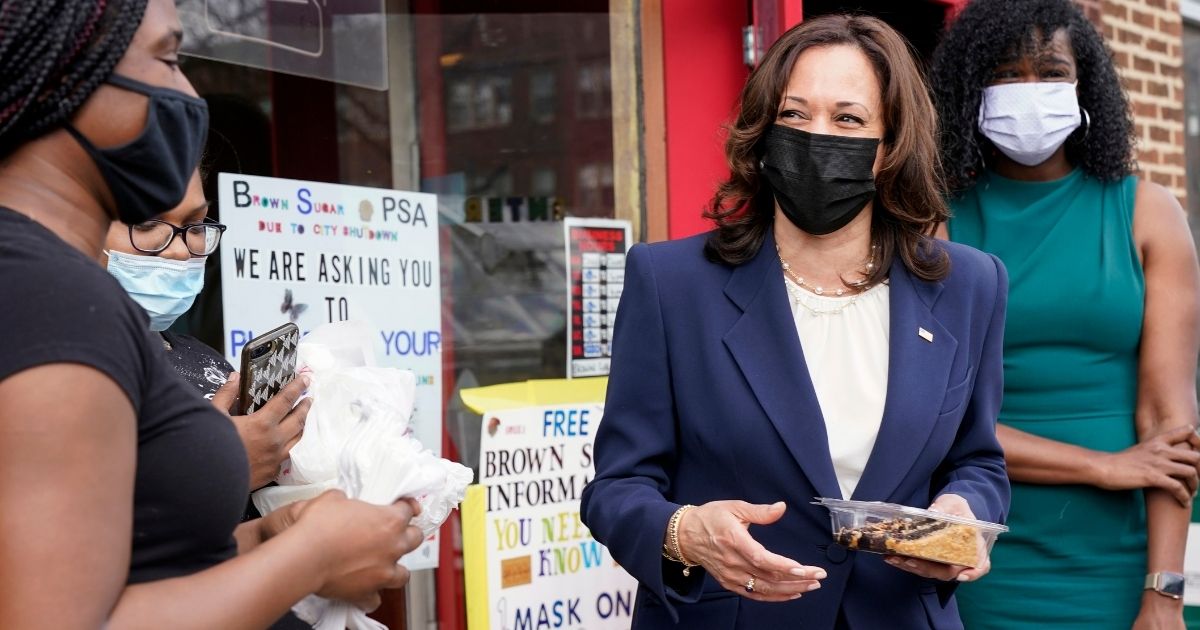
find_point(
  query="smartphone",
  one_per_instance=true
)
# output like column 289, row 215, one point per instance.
column 268, row 364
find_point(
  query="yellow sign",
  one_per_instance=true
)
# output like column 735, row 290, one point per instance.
column 521, row 523
column 558, row 391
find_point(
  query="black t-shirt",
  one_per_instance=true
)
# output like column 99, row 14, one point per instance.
column 199, row 365
column 206, row 370
column 190, row 485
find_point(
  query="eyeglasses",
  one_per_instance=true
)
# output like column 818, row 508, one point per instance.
column 152, row 237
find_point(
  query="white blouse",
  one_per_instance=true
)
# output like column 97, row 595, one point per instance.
column 845, row 341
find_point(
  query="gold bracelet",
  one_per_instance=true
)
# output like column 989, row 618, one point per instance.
column 671, row 549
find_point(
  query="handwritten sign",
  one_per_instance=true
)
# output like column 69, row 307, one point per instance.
column 544, row 569
column 313, row 253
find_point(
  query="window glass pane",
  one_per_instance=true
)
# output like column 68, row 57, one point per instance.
column 543, row 181
column 343, row 41
column 504, row 113
column 460, row 113
column 526, row 139
column 594, row 91
column 543, row 98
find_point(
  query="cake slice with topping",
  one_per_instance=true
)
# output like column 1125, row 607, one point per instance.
column 939, row 541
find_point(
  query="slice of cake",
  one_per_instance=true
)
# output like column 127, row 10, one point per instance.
column 939, row 541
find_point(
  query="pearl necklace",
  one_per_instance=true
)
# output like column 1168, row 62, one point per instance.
column 860, row 287
column 797, row 295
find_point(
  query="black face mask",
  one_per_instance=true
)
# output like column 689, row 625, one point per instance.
column 149, row 175
column 821, row 182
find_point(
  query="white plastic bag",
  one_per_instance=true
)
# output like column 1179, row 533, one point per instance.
column 358, row 439
column 344, row 397
column 380, row 465
column 336, row 345
column 272, row 498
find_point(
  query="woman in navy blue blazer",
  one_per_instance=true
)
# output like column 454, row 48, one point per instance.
column 817, row 343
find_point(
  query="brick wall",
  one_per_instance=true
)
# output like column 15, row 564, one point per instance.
column 1092, row 8
column 1145, row 36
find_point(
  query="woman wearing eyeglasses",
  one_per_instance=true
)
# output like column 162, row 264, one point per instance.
column 160, row 264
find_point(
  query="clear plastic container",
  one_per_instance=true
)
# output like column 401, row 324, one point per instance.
column 899, row 530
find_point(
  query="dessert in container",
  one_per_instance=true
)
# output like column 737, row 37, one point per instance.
column 900, row 530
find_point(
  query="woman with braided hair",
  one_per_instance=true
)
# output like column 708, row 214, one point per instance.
column 121, row 488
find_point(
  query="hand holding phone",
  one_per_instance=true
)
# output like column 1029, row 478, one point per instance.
column 268, row 364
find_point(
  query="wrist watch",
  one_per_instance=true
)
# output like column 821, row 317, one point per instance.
column 1166, row 583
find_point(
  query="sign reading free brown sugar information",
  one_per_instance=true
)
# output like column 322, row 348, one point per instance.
column 543, row 568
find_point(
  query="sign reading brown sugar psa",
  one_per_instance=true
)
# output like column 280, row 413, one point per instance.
column 315, row 253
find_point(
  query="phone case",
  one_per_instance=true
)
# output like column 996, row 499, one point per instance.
column 268, row 374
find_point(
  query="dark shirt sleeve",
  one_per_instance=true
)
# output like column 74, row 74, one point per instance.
column 58, row 310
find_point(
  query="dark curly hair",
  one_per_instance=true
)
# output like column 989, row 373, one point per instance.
column 989, row 33
column 53, row 55
column 908, row 202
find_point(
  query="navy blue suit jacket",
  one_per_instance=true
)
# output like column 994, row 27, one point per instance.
column 709, row 398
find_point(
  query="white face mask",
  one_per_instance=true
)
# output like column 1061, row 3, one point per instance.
column 165, row 288
column 1029, row 121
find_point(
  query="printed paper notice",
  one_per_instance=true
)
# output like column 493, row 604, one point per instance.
column 595, row 278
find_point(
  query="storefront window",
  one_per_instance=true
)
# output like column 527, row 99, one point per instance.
column 513, row 167
column 505, row 113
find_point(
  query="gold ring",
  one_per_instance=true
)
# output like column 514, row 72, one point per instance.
column 750, row 585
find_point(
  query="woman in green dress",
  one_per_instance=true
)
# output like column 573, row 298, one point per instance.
column 1101, row 342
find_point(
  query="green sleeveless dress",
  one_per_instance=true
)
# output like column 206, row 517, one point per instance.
column 1075, row 556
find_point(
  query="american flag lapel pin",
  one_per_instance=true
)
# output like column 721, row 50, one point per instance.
column 925, row 334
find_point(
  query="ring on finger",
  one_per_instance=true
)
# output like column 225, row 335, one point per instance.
column 750, row 585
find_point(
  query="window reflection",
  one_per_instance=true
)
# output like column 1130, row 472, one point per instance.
column 527, row 139
column 543, row 99
column 507, row 118
column 594, row 98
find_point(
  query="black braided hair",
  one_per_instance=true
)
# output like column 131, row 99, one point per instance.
column 53, row 55
column 990, row 32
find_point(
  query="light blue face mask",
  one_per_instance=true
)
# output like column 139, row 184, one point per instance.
column 164, row 288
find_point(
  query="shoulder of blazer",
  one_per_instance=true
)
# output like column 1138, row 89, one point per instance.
column 678, row 249
column 680, row 260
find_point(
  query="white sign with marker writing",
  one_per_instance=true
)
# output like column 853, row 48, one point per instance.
column 312, row 253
